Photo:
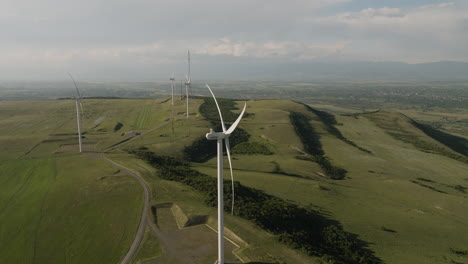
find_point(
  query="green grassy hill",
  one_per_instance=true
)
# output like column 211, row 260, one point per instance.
column 402, row 190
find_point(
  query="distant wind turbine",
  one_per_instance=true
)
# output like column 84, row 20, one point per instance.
column 219, row 136
column 172, row 79
column 78, row 118
column 188, row 83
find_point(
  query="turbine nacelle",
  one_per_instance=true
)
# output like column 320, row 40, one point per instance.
column 216, row 135
column 188, row 80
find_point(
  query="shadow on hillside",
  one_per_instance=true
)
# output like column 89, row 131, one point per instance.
column 455, row 143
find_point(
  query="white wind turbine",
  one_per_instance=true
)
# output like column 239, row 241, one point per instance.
column 78, row 102
column 219, row 136
column 172, row 79
column 188, row 84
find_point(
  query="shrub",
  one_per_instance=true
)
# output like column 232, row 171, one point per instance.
column 118, row 126
column 251, row 148
column 312, row 145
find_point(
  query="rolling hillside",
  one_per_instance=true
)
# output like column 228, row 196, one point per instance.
column 395, row 190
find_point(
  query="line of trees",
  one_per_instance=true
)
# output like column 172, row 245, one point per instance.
column 311, row 142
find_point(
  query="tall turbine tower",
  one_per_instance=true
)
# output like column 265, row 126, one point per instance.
column 78, row 118
column 219, row 136
column 172, row 79
column 188, row 84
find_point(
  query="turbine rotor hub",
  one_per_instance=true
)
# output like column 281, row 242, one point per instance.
column 216, row 135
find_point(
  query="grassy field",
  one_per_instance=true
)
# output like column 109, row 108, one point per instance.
column 58, row 206
column 66, row 210
column 382, row 200
column 378, row 195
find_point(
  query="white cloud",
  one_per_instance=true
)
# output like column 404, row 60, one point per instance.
column 97, row 33
column 271, row 49
column 425, row 33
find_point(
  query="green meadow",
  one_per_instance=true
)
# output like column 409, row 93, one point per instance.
column 405, row 198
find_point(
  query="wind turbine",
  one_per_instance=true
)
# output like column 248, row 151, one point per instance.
column 188, row 84
column 172, row 79
column 78, row 102
column 219, row 136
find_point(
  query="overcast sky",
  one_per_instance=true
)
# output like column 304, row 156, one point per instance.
column 45, row 39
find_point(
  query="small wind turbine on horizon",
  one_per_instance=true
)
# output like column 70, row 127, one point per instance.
column 78, row 118
column 219, row 137
column 172, row 79
column 188, row 84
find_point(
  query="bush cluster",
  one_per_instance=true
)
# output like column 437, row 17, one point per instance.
column 456, row 143
column 312, row 145
column 118, row 126
column 330, row 122
column 251, row 148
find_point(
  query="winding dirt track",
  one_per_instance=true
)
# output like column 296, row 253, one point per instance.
column 144, row 214
column 147, row 197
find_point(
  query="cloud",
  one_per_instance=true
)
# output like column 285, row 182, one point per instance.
column 271, row 49
column 426, row 33
column 56, row 34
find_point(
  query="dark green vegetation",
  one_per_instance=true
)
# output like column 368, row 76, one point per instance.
column 306, row 132
column 301, row 228
column 330, row 122
column 427, row 186
column 312, row 145
column 457, row 144
column 209, row 111
column 439, row 187
column 118, row 126
column 459, row 251
column 252, row 148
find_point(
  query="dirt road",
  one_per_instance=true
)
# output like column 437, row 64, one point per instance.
column 144, row 214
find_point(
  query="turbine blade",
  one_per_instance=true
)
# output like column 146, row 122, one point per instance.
column 228, row 151
column 188, row 56
column 81, row 104
column 217, row 106
column 76, row 86
column 234, row 125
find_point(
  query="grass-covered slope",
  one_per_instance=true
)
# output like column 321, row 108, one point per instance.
column 400, row 187
column 404, row 192
column 58, row 206
column 421, row 136
column 379, row 193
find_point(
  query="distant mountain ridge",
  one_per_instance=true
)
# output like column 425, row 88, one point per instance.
column 246, row 68
column 443, row 71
